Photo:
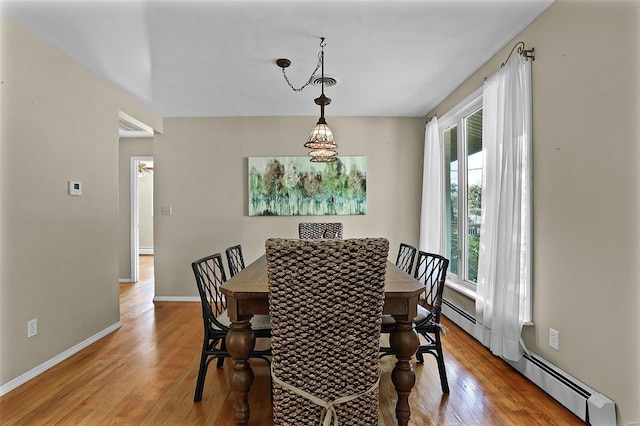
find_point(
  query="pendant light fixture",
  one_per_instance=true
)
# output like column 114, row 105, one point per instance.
column 321, row 143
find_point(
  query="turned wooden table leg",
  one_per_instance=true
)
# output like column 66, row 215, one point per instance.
column 404, row 343
column 240, row 342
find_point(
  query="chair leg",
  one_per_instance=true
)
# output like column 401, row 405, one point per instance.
column 435, row 349
column 223, row 347
column 441, row 368
column 202, row 373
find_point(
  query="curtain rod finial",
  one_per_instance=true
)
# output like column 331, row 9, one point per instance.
column 528, row 54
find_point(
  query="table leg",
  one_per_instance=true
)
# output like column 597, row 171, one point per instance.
column 404, row 343
column 240, row 342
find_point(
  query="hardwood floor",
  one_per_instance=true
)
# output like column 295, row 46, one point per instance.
column 145, row 374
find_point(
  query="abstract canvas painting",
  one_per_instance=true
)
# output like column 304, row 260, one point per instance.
column 294, row 186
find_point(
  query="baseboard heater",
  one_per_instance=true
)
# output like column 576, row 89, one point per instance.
column 586, row 403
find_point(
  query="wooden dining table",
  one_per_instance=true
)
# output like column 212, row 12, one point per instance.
column 247, row 294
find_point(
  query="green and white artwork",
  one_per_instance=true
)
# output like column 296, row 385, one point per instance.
column 294, row 186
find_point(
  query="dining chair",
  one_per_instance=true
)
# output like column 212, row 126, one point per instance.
column 325, row 301
column 406, row 257
column 431, row 270
column 331, row 230
column 235, row 260
column 210, row 275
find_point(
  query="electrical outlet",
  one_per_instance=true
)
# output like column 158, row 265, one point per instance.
column 32, row 327
column 554, row 339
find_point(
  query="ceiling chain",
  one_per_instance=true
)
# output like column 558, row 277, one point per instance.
column 310, row 78
column 313, row 74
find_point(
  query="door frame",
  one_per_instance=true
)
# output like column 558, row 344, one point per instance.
column 134, row 214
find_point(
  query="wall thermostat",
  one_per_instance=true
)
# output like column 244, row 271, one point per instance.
column 75, row 188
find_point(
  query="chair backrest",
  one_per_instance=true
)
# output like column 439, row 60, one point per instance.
column 325, row 301
column 320, row 230
column 406, row 256
column 431, row 270
column 210, row 275
column 235, row 260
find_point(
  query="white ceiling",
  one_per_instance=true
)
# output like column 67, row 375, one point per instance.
column 217, row 58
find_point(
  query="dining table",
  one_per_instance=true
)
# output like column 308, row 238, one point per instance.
column 247, row 294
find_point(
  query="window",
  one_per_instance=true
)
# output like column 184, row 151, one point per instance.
column 462, row 138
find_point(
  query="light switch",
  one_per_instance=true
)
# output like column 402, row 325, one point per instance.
column 75, row 188
column 167, row 210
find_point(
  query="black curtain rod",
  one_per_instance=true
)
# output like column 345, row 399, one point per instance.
column 519, row 47
column 528, row 54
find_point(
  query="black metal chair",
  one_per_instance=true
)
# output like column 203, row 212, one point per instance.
column 313, row 231
column 330, row 354
column 210, row 275
column 235, row 260
column 406, row 256
column 431, row 270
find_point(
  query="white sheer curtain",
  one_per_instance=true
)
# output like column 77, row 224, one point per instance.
column 504, row 269
column 431, row 229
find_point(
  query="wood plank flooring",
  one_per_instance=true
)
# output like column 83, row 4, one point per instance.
column 145, row 374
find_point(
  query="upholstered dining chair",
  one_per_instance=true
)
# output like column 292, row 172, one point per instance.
column 325, row 364
column 308, row 230
column 235, row 260
column 210, row 275
column 431, row 270
column 406, row 257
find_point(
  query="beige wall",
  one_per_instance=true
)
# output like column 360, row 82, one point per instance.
column 129, row 147
column 201, row 171
column 586, row 192
column 58, row 253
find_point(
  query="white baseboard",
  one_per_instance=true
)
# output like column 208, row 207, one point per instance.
column 23, row 378
column 176, row 299
column 126, row 280
column 577, row 397
column 147, row 250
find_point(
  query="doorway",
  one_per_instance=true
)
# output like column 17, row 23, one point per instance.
column 141, row 211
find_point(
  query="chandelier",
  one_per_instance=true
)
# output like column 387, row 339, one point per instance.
column 321, row 143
